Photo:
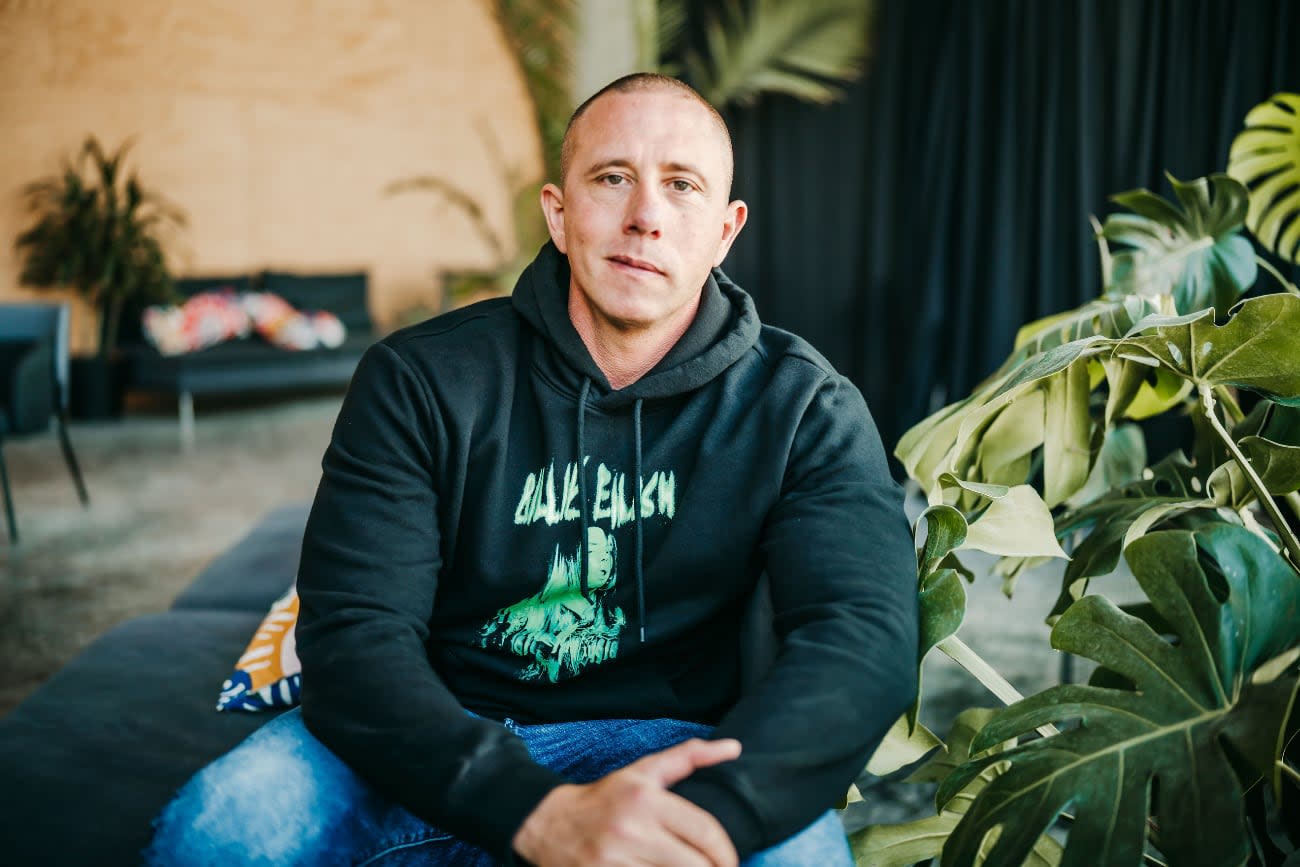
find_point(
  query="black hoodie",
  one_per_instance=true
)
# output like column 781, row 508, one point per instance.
column 498, row 530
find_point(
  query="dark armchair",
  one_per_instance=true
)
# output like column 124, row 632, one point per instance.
column 34, row 385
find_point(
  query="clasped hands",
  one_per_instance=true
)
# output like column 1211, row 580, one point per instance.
column 630, row 817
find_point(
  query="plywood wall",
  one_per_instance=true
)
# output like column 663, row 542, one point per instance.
column 276, row 125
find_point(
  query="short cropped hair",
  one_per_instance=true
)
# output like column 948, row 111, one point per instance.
column 644, row 81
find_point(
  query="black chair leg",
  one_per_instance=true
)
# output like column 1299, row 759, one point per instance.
column 71, row 458
column 9, row 498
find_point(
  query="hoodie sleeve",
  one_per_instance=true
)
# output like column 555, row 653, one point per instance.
column 367, row 582
column 838, row 552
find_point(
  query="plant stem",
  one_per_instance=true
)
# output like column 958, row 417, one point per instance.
column 1265, row 499
column 1277, row 275
column 1230, row 406
column 1293, row 502
column 959, row 652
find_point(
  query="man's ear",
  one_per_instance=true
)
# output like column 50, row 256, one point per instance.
column 737, row 213
column 553, row 209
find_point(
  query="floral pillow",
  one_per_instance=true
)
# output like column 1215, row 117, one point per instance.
column 209, row 318
column 281, row 324
column 206, row 319
column 268, row 674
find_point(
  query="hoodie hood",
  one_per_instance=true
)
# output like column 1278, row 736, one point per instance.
column 725, row 327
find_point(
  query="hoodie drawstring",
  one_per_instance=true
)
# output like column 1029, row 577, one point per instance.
column 582, row 481
column 636, row 508
column 636, row 501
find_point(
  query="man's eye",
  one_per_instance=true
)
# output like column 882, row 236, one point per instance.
column 612, row 180
column 682, row 186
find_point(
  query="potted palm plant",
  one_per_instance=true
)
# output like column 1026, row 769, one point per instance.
column 97, row 230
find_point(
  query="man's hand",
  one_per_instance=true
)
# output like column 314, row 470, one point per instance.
column 630, row 817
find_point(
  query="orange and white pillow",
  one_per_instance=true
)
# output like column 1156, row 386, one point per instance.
column 268, row 674
column 204, row 320
column 283, row 325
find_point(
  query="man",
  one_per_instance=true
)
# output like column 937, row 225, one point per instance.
column 539, row 523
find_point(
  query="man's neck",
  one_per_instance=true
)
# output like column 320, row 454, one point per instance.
column 623, row 354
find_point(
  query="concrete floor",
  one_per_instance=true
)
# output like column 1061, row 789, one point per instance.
column 158, row 514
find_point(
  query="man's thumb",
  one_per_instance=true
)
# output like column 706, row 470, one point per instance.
column 676, row 763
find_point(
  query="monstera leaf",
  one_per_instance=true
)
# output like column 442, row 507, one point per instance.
column 1274, row 451
column 1196, row 255
column 1169, row 738
column 926, row 449
column 1115, row 519
column 1266, row 158
column 906, row 844
column 1257, row 349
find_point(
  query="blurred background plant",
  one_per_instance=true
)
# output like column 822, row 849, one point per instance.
column 98, row 230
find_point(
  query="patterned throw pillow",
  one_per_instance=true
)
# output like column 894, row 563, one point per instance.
column 268, row 675
column 281, row 324
column 206, row 319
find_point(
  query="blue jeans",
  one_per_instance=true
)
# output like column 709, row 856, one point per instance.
column 282, row 798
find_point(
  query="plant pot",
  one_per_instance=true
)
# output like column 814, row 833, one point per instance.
column 97, row 388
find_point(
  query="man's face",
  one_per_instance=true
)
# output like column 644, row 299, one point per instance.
column 644, row 214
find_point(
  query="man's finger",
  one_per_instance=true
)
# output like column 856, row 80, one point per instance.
column 676, row 763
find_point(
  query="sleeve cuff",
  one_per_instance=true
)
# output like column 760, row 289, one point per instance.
column 514, row 794
column 733, row 812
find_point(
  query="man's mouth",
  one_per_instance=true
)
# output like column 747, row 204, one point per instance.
column 633, row 262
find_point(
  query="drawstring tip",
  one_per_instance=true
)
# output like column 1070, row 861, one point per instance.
column 643, row 635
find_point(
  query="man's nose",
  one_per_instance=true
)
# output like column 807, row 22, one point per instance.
column 644, row 211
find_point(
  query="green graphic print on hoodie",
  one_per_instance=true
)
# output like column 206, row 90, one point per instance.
column 498, row 530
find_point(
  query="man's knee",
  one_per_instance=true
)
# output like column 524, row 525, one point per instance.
column 269, row 801
column 821, row 844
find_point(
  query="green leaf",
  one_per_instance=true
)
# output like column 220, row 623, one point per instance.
column 1017, row 524
column 1265, row 157
column 945, row 533
column 1067, row 434
column 1274, row 451
column 1258, row 348
column 1139, row 391
column 1033, row 373
column 908, row 843
column 1196, row 255
column 903, row 745
column 1229, row 487
column 942, row 605
column 801, row 49
column 1120, row 461
column 1232, row 604
column 933, row 446
column 942, row 600
column 1007, row 446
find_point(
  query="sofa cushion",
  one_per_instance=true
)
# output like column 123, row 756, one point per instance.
column 90, row 758
column 246, row 365
column 253, row 573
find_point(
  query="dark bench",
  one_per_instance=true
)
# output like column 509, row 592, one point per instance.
column 251, row 364
column 90, row 758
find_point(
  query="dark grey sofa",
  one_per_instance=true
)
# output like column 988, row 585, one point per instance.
column 251, row 364
column 94, row 754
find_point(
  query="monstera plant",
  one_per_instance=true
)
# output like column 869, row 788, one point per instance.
column 1179, row 748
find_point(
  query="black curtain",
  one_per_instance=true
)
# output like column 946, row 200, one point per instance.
column 909, row 230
